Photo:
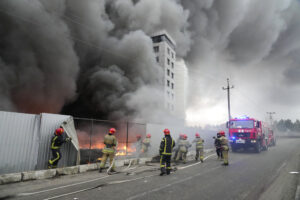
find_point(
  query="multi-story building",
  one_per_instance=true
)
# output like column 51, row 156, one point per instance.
column 164, row 49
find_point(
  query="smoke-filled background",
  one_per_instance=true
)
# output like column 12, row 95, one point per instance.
column 94, row 58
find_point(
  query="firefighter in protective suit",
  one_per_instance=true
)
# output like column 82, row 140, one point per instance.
column 146, row 144
column 225, row 148
column 56, row 141
column 218, row 146
column 177, row 149
column 110, row 142
column 165, row 152
column 199, row 147
column 183, row 148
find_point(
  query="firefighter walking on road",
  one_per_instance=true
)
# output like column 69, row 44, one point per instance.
column 176, row 150
column 56, row 141
column 199, row 147
column 225, row 148
column 218, row 146
column 110, row 142
column 165, row 151
column 183, row 149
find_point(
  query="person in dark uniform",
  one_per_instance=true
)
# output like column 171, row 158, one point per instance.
column 218, row 146
column 56, row 141
column 165, row 151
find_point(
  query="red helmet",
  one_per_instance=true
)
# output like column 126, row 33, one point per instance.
column 112, row 131
column 148, row 135
column 197, row 135
column 222, row 133
column 184, row 136
column 138, row 136
column 181, row 135
column 167, row 131
column 59, row 131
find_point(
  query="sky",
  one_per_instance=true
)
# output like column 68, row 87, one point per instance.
column 94, row 58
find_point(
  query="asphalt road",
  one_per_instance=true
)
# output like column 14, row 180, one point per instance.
column 249, row 176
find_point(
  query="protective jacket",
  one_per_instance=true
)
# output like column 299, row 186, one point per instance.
column 111, row 143
column 183, row 145
column 199, row 143
column 57, row 141
column 146, row 144
column 166, row 145
column 224, row 143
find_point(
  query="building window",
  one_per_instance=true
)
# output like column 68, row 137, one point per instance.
column 168, row 72
column 156, row 49
column 168, row 93
column 157, row 59
column 172, row 65
column 168, row 61
column 172, row 55
column 172, row 96
column 172, row 86
column 172, row 74
column 168, row 51
column 168, row 83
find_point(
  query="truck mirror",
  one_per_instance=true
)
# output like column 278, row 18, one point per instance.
column 257, row 124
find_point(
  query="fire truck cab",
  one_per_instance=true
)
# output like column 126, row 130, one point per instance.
column 246, row 132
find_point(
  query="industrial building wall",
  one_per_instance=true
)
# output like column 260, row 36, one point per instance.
column 25, row 141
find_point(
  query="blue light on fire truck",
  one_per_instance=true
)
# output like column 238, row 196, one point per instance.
column 233, row 138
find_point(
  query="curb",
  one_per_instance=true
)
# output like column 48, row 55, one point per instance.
column 51, row 173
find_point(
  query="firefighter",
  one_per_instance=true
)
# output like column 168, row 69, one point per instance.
column 225, row 148
column 110, row 142
column 199, row 147
column 56, row 141
column 177, row 149
column 218, row 147
column 146, row 144
column 165, row 152
column 183, row 147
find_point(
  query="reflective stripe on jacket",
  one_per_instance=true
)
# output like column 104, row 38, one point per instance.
column 166, row 145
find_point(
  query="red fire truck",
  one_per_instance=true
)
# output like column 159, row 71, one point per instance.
column 246, row 132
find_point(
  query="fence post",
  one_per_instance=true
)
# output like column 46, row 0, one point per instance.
column 91, row 140
column 126, row 138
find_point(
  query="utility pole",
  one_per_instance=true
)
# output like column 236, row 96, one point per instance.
column 228, row 96
column 271, row 117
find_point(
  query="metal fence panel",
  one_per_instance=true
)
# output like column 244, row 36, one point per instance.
column 19, row 135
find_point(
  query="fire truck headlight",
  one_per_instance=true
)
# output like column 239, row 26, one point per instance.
column 253, row 141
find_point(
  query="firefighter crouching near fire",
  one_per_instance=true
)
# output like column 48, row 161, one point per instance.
column 56, row 141
column 218, row 146
column 199, row 147
column 165, row 152
column 110, row 142
column 183, row 148
column 225, row 148
column 146, row 144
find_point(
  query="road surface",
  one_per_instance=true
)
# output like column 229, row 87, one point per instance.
column 249, row 176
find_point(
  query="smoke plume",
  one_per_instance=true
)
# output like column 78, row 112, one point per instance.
column 94, row 58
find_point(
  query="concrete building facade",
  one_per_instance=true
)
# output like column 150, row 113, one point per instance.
column 164, row 49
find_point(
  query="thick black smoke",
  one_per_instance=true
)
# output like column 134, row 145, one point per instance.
column 94, row 58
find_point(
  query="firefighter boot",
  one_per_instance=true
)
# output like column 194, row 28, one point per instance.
column 100, row 170
column 168, row 171
column 163, row 171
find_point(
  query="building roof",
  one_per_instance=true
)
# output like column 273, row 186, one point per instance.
column 164, row 32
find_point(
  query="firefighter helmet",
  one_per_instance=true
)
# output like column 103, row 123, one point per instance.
column 181, row 135
column 112, row 131
column 148, row 135
column 222, row 133
column 167, row 131
column 185, row 136
column 138, row 136
column 197, row 135
column 59, row 131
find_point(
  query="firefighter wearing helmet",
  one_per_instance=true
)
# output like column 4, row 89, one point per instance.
column 146, row 144
column 199, row 147
column 183, row 147
column 56, row 141
column 224, row 147
column 218, row 146
column 165, row 151
column 138, row 147
column 110, row 142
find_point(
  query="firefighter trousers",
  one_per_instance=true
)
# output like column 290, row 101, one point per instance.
column 56, row 156
column 165, row 163
column 181, row 155
column 199, row 151
column 104, row 159
column 219, row 153
column 225, row 156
